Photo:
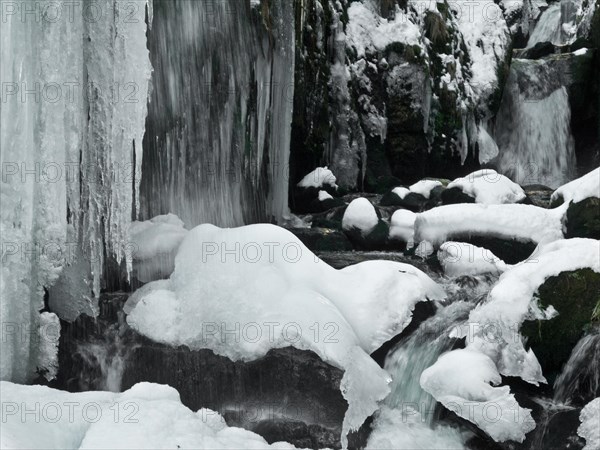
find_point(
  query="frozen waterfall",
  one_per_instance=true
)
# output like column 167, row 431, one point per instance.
column 75, row 82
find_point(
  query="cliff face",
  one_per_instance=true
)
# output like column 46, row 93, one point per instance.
column 390, row 91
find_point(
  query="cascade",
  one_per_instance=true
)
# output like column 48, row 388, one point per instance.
column 533, row 126
column 218, row 130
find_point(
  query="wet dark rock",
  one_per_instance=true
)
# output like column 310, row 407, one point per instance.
column 575, row 295
column 539, row 50
column 412, row 201
column 511, row 251
column 538, row 195
column 583, row 219
column 454, row 196
column 376, row 239
column 322, row 239
column 306, row 200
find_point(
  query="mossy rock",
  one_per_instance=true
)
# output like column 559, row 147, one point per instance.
column 575, row 295
column 455, row 195
column 376, row 239
column 583, row 219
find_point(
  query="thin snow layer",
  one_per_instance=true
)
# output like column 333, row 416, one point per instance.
column 155, row 244
column 324, row 195
column 318, row 178
column 402, row 226
column 590, row 425
column 401, row 192
column 368, row 32
column 494, row 326
column 361, row 215
column 521, row 222
column 460, row 380
column 580, row 189
column 146, row 416
column 487, row 38
column 489, row 187
column 461, row 258
column 407, row 429
column 243, row 291
column 424, row 187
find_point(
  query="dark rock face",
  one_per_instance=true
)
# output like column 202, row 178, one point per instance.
column 376, row 239
column 289, row 394
column 583, row 219
column 539, row 50
column 510, row 251
column 412, row 201
column 455, row 195
column 575, row 295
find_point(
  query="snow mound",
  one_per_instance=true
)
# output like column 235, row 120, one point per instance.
column 469, row 394
column 461, row 258
column 579, row 189
column 489, row 187
column 155, row 244
column 402, row 226
column 401, row 191
column 424, row 187
column 146, row 416
column 521, row 222
column 243, row 291
column 590, row 424
column 318, row 178
column 361, row 215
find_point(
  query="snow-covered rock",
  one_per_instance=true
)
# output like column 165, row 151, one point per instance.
column 494, row 326
column 424, row 187
column 319, row 178
column 155, row 244
column 525, row 223
column 579, row 189
column 590, row 424
column 402, row 226
column 489, row 187
column 146, row 416
column 461, row 258
column 461, row 379
column 360, row 215
column 262, row 274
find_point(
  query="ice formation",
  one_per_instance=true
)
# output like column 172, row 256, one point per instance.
column 72, row 154
column 590, row 424
column 155, row 244
column 461, row 258
column 468, row 393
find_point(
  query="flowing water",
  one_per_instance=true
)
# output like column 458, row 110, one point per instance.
column 533, row 126
column 219, row 122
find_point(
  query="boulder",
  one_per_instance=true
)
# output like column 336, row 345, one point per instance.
column 538, row 195
column 575, row 295
column 583, row 219
column 454, row 196
column 287, row 395
column 411, row 201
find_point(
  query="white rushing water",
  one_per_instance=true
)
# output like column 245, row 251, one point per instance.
column 533, row 126
column 73, row 111
column 557, row 24
column 219, row 122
